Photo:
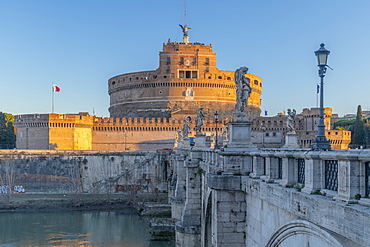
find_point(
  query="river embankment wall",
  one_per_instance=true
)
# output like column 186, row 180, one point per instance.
column 58, row 172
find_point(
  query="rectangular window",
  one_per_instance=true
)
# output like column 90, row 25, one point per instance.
column 168, row 60
column 188, row 74
column 194, row 60
column 207, row 61
column 181, row 60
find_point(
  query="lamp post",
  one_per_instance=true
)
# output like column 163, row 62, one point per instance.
column 216, row 121
column 321, row 143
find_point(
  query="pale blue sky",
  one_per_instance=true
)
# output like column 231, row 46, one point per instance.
column 79, row 45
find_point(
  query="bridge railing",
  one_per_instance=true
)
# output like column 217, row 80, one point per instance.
column 341, row 174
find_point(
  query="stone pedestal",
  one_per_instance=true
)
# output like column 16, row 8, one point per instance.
column 200, row 141
column 240, row 136
column 184, row 143
column 291, row 141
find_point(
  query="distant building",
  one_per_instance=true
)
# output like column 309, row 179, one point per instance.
column 270, row 131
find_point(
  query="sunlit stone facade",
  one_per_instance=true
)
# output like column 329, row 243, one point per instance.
column 186, row 79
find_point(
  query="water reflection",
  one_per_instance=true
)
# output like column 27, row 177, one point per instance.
column 92, row 228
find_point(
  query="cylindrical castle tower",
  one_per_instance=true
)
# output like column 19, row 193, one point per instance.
column 186, row 79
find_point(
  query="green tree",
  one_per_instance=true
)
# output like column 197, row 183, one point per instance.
column 358, row 136
column 7, row 135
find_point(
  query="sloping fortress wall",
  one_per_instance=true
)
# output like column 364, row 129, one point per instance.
column 84, row 172
column 186, row 79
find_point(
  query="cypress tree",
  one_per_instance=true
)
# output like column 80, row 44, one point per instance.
column 358, row 135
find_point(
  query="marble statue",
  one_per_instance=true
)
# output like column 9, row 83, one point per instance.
column 243, row 90
column 199, row 120
column 290, row 119
column 225, row 133
column 179, row 135
column 186, row 128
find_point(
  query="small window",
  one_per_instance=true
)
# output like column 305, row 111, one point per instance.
column 113, row 82
column 194, row 60
column 181, row 60
column 220, row 77
column 255, row 82
column 207, row 69
column 207, row 61
column 267, row 134
column 274, row 134
column 168, row 60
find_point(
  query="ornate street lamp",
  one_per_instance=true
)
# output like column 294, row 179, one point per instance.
column 321, row 143
column 216, row 139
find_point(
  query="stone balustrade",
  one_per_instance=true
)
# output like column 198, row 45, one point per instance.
column 341, row 174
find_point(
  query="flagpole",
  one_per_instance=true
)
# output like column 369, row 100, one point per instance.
column 52, row 98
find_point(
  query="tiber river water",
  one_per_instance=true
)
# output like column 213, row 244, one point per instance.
column 75, row 228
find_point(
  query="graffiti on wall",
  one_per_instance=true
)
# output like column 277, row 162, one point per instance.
column 5, row 189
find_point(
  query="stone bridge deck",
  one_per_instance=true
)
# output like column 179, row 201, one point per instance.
column 271, row 197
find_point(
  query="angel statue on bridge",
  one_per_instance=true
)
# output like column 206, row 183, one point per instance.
column 243, row 90
column 290, row 119
column 186, row 128
column 199, row 120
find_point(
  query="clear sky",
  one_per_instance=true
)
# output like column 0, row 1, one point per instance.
column 80, row 44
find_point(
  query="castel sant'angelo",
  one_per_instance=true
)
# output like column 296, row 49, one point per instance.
column 187, row 78
column 148, row 108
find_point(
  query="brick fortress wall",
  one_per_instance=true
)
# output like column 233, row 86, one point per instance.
column 84, row 132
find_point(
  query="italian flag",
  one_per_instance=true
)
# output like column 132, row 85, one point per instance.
column 56, row 89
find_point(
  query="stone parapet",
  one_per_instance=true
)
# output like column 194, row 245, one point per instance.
column 224, row 182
